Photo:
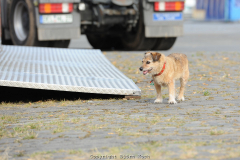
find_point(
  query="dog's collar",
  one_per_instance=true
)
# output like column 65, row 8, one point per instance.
column 161, row 70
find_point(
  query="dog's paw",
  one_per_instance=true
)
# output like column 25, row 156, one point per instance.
column 172, row 101
column 158, row 101
column 181, row 99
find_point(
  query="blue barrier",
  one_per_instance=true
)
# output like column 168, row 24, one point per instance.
column 215, row 9
column 228, row 10
column 233, row 10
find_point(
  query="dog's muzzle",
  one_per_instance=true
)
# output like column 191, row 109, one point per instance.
column 141, row 68
column 147, row 71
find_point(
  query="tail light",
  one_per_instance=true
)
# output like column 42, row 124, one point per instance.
column 55, row 8
column 168, row 6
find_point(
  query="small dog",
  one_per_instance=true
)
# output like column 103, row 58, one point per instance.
column 164, row 71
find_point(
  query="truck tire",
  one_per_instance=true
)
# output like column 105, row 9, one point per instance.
column 136, row 40
column 59, row 44
column 104, row 42
column 22, row 23
column 164, row 43
column 4, row 40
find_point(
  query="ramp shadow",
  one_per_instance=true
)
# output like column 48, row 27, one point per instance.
column 15, row 94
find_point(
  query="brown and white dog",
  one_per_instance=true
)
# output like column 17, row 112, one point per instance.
column 164, row 71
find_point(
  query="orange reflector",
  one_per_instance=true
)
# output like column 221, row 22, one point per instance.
column 55, row 7
column 47, row 8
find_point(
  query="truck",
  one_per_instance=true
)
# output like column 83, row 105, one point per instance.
column 107, row 24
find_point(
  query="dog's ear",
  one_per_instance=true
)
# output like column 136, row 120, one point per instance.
column 155, row 56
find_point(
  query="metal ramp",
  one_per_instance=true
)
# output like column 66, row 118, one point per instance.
column 74, row 70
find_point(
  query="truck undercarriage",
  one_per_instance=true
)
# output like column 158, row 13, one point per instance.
column 108, row 24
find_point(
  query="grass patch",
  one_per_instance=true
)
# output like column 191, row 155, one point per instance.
column 6, row 119
column 35, row 126
column 152, row 145
column 43, row 155
column 87, row 135
column 19, row 154
column 30, row 135
column 57, row 130
column 206, row 93
column 217, row 132
column 141, row 119
column 76, row 152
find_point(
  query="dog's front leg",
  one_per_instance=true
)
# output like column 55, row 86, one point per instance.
column 159, row 93
column 171, row 89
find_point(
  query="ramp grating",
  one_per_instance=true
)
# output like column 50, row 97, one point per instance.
column 75, row 70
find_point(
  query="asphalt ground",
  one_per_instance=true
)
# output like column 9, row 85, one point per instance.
column 205, row 126
column 198, row 36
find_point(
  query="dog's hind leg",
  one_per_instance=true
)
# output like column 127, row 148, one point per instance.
column 183, row 82
column 159, row 93
column 181, row 93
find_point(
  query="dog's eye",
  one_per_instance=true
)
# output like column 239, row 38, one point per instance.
column 148, row 62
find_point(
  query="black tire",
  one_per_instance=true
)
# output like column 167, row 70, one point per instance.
column 4, row 40
column 59, row 44
column 164, row 43
column 104, row 42
column 22, row 23
column 136, row 40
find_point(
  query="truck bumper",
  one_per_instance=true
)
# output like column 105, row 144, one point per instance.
column 163, row 31
column 53, row 33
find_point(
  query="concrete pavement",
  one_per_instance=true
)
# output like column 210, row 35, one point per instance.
column 205, row 126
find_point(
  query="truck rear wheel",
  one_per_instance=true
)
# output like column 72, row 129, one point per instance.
column 22, row 25
column 136, row 40
column 4, row 40
column 164, row 43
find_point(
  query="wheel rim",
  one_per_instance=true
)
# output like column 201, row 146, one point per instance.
column 21, row 21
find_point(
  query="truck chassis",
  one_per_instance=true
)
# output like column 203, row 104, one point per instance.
column 108, row 24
